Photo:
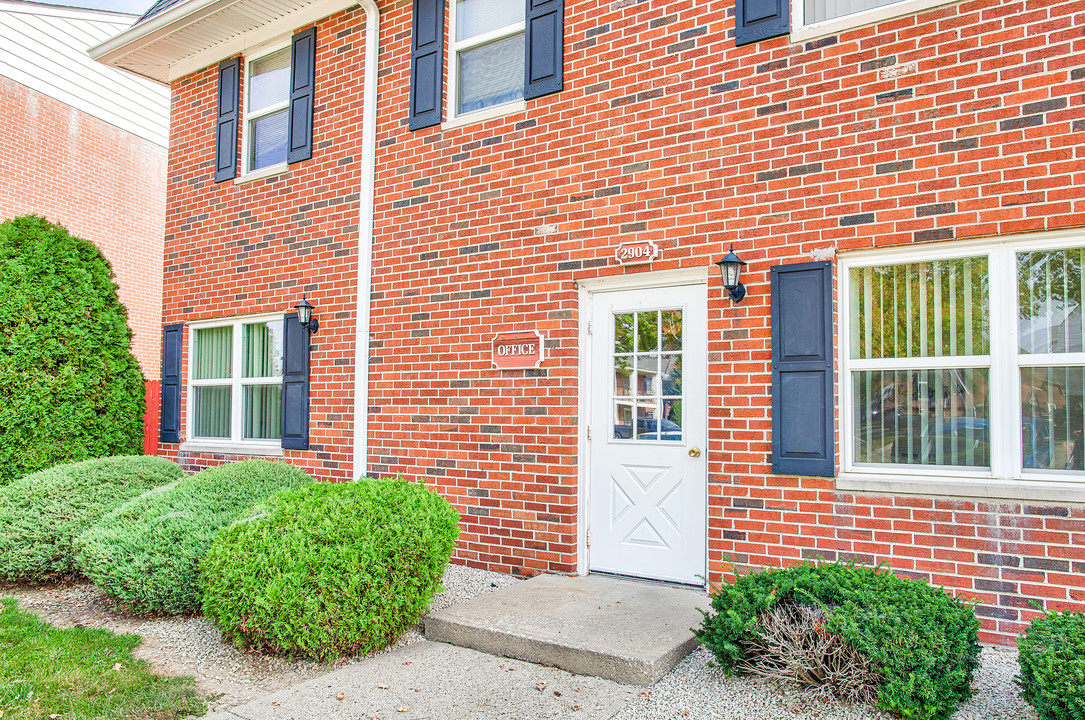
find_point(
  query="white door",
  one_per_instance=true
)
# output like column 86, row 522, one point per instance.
column 647, row 478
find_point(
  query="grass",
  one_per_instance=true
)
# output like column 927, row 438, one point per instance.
column 48, row 672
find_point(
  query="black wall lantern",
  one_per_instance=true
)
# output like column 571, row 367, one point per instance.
column 305, row 315
column 731, row 268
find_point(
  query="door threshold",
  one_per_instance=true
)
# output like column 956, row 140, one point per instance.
column 650, row 581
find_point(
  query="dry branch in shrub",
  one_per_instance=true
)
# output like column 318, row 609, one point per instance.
column 793, row 644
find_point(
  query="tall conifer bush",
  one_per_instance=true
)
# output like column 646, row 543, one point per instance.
column 70, row 388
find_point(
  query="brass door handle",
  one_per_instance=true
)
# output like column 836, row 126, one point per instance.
column 695, row 452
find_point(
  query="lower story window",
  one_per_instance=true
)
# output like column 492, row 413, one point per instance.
column 236, row 375
column 967, row 362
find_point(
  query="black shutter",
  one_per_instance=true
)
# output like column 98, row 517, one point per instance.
column 302, row 84
column 226, row 120
column 295, row 427
column 802, row 369
column 427, row 64
column 545, row 47
column 760, row 20
column 169, row 428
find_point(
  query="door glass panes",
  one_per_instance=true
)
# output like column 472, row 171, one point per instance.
column 1049, row 322
column 922, row 417
column 647, row 361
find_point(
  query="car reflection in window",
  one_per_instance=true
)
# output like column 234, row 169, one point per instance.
column 647, row 428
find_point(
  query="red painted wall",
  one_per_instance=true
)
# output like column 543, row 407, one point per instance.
column 665, row 131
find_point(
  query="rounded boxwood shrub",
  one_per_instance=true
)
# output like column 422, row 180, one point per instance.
column 1052, row 656
column 70, row 388
column 146, row 553
column 921, row 644
column 328, row 570
column 42, row 513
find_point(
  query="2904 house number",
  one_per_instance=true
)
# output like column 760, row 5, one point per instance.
column 635, row 253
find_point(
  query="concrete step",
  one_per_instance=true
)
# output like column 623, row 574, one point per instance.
column 627, row 631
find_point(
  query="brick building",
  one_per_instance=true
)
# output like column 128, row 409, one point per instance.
column 85, row 146
column 508, row 218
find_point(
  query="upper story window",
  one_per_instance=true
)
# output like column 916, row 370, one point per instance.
column 488, row 52
column 267, row 100
column 501, row 54
column 276, row 119
column 967, row 364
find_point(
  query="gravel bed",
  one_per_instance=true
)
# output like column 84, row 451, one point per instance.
column 180, row 645
column 192, row 646
column 695, row 690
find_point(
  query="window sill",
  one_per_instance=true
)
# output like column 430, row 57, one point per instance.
column 231, row 448
column 867, row 17
column 484, row 114
column 262, row 173
column 985, row 489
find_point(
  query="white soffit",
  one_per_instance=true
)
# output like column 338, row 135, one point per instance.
column 44, row 47
column 194, row 34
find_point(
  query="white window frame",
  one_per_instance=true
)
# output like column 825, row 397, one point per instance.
column 251, row 56
column 235, row 443
column 456, row 47
column 1006, row 477
column 800, row 31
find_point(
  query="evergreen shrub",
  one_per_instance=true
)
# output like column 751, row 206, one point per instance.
column 920, row 641
column 42, row 513
column 1052, row 656
column 145, row 554
column 70, row 388
column 330, row 569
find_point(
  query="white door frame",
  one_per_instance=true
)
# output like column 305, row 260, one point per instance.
column 586, row 291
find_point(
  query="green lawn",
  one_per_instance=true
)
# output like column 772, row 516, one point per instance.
column 72, row 674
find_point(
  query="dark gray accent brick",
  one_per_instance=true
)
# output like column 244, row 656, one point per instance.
column 998, row 560
column 1021, row 122
column 957, row 145
column 770, row 109
column 935, row 209
column 767, row 175
column 796, row 170
column 878, row 63
column 1044, row 106
column 859, row 219
column 932, row 235
column 892, row 167
column 634, row 227
column 821, row 42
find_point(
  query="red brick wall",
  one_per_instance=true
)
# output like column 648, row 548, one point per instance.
column 236, row 249
column 104, row 184
column 665, row 131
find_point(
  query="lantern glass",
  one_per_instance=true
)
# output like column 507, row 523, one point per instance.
column 305, row 311
column 730, row 274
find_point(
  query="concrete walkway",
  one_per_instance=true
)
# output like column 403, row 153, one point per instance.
column 605, row 630
column 427, row 680
column 631, row 632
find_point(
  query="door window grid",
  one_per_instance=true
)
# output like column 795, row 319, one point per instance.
column 647, row 361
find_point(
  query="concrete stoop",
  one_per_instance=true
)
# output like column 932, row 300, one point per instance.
column 627, row 631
